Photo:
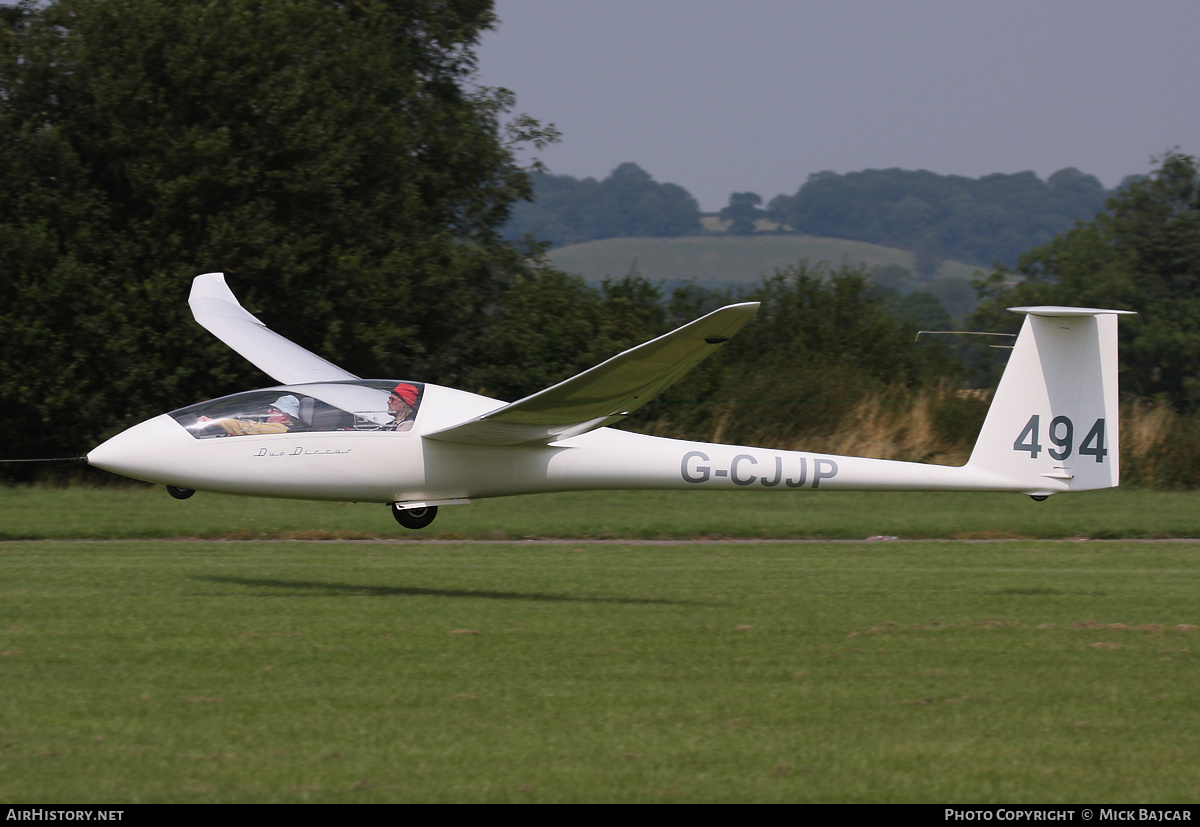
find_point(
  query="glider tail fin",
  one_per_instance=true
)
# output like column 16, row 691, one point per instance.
column 1052, row 425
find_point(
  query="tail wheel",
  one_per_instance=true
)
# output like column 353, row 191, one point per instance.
column 414, row 517
column 180, row 493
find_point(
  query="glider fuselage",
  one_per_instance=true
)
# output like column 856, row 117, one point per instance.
column 378, row 465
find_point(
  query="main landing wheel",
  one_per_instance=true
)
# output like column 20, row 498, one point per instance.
column 1038, row 498
column 414, row 517
column 180, row 493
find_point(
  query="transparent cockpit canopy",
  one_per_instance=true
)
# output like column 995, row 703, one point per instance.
column 358, row 405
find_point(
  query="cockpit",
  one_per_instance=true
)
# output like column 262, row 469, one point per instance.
column 358, row 405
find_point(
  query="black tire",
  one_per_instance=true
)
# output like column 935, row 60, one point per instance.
column 1037, row 498
column 180, row 493
column 414, row 517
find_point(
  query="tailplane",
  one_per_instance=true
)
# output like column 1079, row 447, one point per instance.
column 1052, row 426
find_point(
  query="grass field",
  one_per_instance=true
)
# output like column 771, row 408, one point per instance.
column 927, row 671
column 147, row 512
column 186, row 670
column 721, row 261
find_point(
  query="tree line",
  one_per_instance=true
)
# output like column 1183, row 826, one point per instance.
column 976, row 220
column 987, row 220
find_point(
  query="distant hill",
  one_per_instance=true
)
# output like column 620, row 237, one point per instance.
column 716, row 261
column 723, row 262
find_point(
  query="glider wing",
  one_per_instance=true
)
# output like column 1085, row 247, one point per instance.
column 606, row 393
column 218, row 311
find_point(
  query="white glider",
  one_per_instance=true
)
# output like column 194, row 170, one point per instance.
column 325, row 434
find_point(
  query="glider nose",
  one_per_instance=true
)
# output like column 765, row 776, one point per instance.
column 145, row 452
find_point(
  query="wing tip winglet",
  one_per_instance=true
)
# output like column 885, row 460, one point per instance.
column 211, row 296
column 217, row 310
column 210, row 285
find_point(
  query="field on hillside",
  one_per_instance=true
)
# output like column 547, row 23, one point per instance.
column 721, row 261
column 189, row 671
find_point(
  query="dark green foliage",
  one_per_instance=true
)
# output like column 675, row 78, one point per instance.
column 1142, row 253
column 821, row 341
column 920, row 310
column 553, row 326
column 626, row 204
column 984, row 220
column 331, row 157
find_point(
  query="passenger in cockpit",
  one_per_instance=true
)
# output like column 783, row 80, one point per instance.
column 402, row 403
column 283, row 415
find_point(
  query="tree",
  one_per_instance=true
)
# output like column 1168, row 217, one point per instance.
column 333, row 158
column 629, row 203
column 1142, row 253
column 743, row 210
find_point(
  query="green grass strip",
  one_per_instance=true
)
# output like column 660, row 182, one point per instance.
column 146, row 512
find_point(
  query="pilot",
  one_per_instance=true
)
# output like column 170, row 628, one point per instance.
column 283, row 415
column 402, row 403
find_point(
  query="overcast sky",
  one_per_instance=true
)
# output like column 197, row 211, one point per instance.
column 755, row 95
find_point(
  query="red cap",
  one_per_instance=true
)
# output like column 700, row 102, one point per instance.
column 407, row 393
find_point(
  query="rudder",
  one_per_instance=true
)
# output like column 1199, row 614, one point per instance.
column 1052, row 426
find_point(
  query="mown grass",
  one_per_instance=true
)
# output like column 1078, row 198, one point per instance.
column 145, row 512
column 168, row 671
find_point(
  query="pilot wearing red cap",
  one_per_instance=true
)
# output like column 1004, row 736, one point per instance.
column 402, row 403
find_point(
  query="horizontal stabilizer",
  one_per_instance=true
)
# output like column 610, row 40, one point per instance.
column 606, row 393
column 1053, row 310
column 218, row 311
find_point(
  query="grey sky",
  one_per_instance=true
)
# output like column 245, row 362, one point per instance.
column 735, row 95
